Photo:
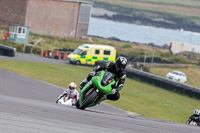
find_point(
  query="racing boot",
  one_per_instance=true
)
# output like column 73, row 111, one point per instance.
column 82, row 84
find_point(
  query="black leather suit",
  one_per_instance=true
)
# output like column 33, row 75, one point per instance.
column 120, row 77
column 194, row 118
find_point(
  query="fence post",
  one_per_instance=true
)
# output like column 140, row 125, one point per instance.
column 64, row 56
column 41, row 52
column 59, row 55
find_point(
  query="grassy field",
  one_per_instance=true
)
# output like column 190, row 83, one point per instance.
column 142, row 98
column 186, row 9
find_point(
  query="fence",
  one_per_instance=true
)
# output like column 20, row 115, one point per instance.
column 7, row 51
column 56, row 54
column 164, row 83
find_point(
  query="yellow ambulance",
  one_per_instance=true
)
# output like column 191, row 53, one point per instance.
column 90, row 53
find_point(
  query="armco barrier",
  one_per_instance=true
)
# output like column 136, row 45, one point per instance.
column 160, row 82
column 164, row 83
column 7, row 51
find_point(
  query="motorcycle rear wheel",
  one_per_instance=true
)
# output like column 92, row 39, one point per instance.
column 88, row 100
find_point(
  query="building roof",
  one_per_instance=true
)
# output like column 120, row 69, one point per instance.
column 18, row 25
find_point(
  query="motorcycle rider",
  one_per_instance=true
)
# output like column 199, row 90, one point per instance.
column 195, row 117
column 116, row 68
column 71, row 92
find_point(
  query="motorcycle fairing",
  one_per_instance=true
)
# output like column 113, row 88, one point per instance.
column 95, row 82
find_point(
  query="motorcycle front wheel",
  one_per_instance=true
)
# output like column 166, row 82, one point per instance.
column 88, row 100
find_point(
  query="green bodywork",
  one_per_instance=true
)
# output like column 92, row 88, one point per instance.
column 96, row 80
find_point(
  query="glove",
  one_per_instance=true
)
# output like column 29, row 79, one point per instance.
column 92, row 73
column 114, row 91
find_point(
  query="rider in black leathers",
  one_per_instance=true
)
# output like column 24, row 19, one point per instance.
column 116, row 68
column 195, row 117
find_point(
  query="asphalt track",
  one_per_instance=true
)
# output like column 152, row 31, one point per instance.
column 28, row 105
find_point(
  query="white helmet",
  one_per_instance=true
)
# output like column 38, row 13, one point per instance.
column 72, row 87
column 196, row 112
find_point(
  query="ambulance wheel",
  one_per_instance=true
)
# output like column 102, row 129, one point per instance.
column 78, row 62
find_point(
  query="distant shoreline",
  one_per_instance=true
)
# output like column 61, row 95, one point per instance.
column 160, row 23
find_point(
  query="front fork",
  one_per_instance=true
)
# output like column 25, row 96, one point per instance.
column 97, row 100
column 83, row 91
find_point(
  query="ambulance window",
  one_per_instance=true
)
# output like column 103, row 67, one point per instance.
column 106, row 52
column 77, row 51
column 96, row 51
column 84, row 53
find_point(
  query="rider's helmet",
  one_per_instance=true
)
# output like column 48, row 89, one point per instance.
column 196, row 112
column 72, row 87
column 121, row 63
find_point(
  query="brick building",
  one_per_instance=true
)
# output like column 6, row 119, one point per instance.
column 61, row 18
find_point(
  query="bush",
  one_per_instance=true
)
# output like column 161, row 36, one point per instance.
column 19, row 47
column 146, row 69
column 126, row 46
column 179, row 60
column 4, row 28
column 36, row 50
column 32, row 42
column 198, row 63
column 167, row 54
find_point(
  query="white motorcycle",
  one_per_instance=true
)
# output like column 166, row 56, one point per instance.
column 193, row 123
column 65, row 100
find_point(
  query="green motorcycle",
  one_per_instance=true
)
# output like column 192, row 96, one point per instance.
column 92, row 93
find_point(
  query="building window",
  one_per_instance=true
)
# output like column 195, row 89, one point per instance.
column 106, row 52
column 19, row 30
column 10, row 29
column 15, row 29
column 96, row 51
column 24, row 31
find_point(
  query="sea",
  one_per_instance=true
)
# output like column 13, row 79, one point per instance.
column 141, row 34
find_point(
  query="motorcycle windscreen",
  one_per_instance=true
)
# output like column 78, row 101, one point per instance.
column 107, row 78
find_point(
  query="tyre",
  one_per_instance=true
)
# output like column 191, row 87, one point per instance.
column 77, row 104
column 88, row 100
column 77, row 62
